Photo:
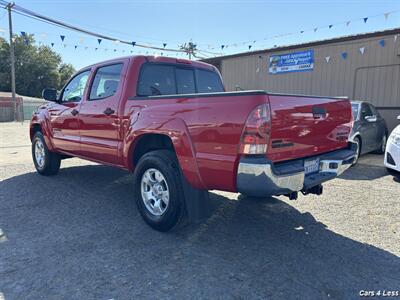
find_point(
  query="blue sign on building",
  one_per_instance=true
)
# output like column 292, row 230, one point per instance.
column 291, row 62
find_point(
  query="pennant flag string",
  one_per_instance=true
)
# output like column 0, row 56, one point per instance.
column 314, row 29
column 31, row 14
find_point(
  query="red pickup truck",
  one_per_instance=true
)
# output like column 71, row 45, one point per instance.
column 171, row 122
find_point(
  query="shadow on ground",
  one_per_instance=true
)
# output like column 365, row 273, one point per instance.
column 78, row 235
column 367, row 168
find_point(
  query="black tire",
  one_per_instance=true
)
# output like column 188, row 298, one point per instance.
column 382, row 146
column 394, row 173
column 166, row 163
column 52, row 160
column 357, row 141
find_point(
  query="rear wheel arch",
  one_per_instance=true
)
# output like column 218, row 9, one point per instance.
column 180, row 146
column 146, row 143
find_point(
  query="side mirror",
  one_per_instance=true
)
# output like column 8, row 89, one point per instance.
column 371, row 119
column 398, row 117
column 50, row 95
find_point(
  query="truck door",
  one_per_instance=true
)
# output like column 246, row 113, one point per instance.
column 63, row 114
column 99, row 114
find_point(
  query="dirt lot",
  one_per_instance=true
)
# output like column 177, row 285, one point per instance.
column 78, row 235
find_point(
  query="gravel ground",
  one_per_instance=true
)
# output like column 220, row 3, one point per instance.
column 78, row 235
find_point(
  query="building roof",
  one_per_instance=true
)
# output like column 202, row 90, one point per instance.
column 346, row 38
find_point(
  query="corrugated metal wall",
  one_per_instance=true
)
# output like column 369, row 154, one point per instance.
column 373, row 76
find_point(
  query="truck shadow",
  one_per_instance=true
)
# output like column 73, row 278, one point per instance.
column 79, row 235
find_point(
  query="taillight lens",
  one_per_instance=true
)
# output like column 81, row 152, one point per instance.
column 257, row 131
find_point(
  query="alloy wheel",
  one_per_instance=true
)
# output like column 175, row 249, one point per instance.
column 155, row 191
column 40, row 153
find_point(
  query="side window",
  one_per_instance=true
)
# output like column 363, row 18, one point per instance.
column 156, row 80
column 73, row 92
column 185, row 81
column 366, row 111
column 373, row 110
column 208, row 82
column 106, row 81
column 354, row 109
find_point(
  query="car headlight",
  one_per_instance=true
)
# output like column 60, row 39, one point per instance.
column 395, row 138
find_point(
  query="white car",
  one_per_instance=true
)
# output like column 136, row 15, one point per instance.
column 392, row 153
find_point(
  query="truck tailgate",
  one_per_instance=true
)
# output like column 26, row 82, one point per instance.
column 303, row 126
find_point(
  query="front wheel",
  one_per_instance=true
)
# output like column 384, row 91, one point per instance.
column 46, row 162
column 158, row 190
column 382, row 148
column 357, row 141
column 394, row 173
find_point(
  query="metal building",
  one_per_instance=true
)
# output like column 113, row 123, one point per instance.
column 363, row 67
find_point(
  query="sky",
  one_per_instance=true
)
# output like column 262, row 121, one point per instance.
column 209, row 24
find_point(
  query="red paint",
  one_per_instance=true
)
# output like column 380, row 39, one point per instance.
column 205, row 131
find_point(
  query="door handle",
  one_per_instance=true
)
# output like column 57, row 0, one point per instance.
column 108, row 111
column 74, row 112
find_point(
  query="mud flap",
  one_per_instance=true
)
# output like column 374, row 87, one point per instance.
column 197, row 202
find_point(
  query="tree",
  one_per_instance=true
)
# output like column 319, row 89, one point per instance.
column 36, row 67
column 65, row 71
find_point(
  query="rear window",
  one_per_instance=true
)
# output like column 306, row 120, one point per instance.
column 185, row 81
column 156, row 80
column 208, row 82
column 159, row 79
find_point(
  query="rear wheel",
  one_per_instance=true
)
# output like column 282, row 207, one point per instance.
column 46, row 162
column 357, row 141
column 158, row 190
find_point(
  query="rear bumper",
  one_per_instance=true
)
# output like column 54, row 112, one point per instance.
column 260, row 177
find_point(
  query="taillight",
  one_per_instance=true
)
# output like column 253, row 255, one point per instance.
column 257, row 131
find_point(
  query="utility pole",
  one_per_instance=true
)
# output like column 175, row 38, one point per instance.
column 190, row 49
column 12, row 55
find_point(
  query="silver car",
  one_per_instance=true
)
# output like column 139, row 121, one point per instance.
column 369, row 130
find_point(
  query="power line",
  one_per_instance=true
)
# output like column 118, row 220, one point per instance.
column 33, row 15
